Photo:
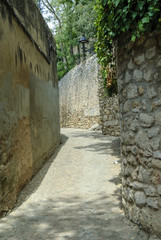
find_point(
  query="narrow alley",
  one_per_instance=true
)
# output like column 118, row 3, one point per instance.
column 76, row 195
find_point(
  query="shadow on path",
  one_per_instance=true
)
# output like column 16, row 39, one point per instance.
column 71, row 218
column 105, row 143
column 35, row 182
column 79, row 199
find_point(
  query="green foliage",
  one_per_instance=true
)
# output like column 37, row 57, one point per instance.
column 72, row 19
column 115, row 17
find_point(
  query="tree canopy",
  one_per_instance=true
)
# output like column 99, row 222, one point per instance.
column 71, row 19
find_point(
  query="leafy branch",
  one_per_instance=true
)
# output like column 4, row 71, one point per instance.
column 115, row 17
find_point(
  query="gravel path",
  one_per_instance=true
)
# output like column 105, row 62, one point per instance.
column 75, row 196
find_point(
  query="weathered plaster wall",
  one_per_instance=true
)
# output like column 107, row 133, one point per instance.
column 79, row 102
column 139, row 81
column 109, row 112
column 29, row 111
column 83, row 101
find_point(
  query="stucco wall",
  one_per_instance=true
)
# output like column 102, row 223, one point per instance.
column 79, row 102
column 139, row 81
column 29, row 110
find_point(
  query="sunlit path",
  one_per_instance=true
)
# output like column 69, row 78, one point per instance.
column 75, row 196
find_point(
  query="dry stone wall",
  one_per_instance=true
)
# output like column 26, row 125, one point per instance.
column 139, row 82
column 109, row 112
column 29, row 109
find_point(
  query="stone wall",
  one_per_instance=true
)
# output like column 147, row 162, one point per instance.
column 139, row 80
column 109, row 112
column 29, row 110
column 83, row 101
column 79, row 102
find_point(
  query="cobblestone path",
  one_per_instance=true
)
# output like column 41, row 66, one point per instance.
column 75, row 196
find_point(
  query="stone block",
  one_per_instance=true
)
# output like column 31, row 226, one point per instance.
column 128, row 170
column 124, row 150
column 120, row 85
column 129, row 183
column 139, row 59
column 146, row 105
column 131, row 64
column 148, row 75
column 136, row 109
column 124, row 93
column 153, row 202
column 150, row 191
column 155, row 222
column 156, row 104
column 156, row 76
column 138, row 75
column 140, row 198
column 156, row 177
column 144, row 160
column 124, row 182
column 111, row 123
column 132, row 160
column 140, row 90
column 146, row 120
column 142, row 140
column 148, row 153
column 156, row 163
column 129, row 138
column 132, row 91
column 125, row 193
column 128, row 77
column 138, row 186
column 144, row 175
column 134, row 125
column 154, row 237
column 124, row 160
column 130, row 196
column 145, row 218
column 150, row 53
column 151, row 92
column 155, row 143
column 158, row 118
column 157, row 154
column 134, row 174
column 153, row 132
column 134, row 150
column 127, row 106
column 159, row 189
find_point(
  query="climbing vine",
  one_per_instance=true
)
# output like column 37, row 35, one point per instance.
column 115, row 17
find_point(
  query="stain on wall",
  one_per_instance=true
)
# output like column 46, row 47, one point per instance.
column 29, row 108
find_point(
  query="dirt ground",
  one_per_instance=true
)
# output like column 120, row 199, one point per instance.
column 76, row 195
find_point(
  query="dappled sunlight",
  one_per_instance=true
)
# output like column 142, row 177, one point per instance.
column 72, row 217
column 76, row 195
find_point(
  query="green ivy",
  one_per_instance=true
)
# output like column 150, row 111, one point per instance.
column 115, row 17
